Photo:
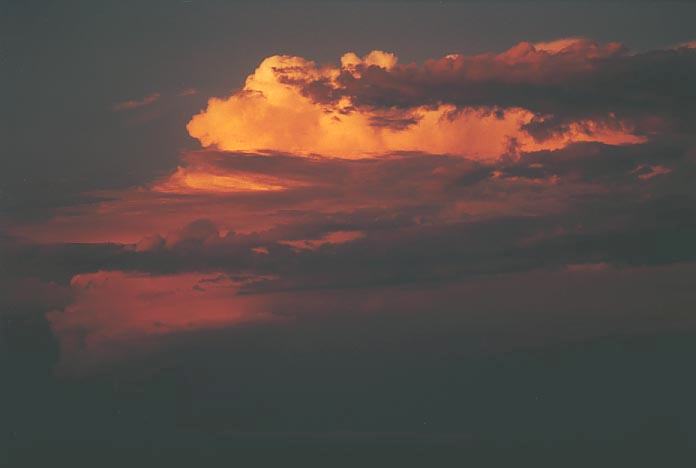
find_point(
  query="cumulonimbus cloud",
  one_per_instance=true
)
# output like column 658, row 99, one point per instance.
column 566, row 156
column 479, row 106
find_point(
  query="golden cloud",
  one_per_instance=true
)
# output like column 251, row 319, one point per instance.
column 274, row 112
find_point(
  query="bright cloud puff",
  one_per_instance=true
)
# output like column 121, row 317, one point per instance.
column 291, row 104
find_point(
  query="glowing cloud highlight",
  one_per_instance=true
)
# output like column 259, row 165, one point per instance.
column 290, row 104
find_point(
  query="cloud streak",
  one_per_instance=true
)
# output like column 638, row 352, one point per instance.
column 135, row 103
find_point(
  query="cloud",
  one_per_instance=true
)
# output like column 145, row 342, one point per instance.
column 561, row 83
column 332, row 238
column 687, row 45
column 473, row 106
column 589, row 215
column 115, row 310
column 646, row 172
column 255, row 193
column 353, row 236
column 329, row 188
column 206, row 179
column 135, row 104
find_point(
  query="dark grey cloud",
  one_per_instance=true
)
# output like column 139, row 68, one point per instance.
column 649, row 90
column 607, row 214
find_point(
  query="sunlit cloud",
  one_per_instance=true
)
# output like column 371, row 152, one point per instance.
column 291, row 104
column 114, row 311
column 372, row 174
column 185, row 180
column 332, row 238
column 687, row 45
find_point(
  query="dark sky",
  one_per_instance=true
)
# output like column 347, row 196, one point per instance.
column 473, row 245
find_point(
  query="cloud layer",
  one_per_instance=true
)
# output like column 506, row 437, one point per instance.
column 337, row 188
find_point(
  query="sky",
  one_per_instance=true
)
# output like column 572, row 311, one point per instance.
column 373, row 233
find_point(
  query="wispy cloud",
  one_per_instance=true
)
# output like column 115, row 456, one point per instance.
column 135, row 103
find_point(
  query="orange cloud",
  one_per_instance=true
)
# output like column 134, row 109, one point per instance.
column 307, row 123
column 332, row 238
column 113, row 311
column 185, row 180
column 276, row 111
column 687, row 45
column 570, row 45
column 647, row 172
